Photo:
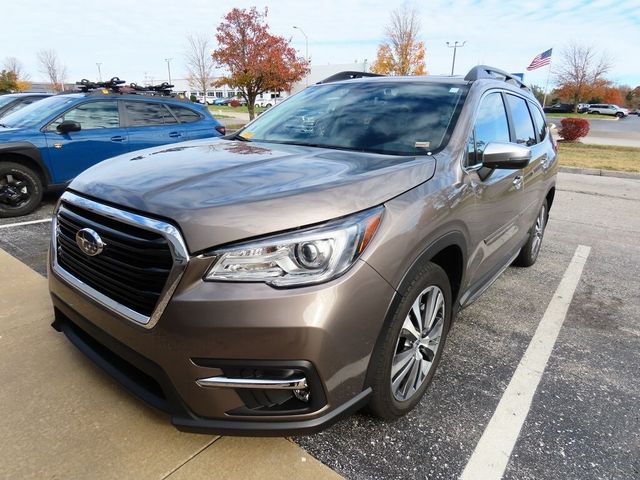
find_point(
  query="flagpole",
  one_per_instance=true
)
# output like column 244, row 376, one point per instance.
column 546, row 87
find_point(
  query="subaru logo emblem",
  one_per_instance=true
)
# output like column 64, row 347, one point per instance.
column 89, row 242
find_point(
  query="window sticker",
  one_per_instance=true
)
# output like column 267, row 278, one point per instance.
column 247, row 135
column 423, row 144
column 454, row 90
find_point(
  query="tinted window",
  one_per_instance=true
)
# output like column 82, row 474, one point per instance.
column 522, row 124
column 91, row 115
column 491, row 125
column 184, row 114
column 401, row 118
column 144, row 114
column 541, row 123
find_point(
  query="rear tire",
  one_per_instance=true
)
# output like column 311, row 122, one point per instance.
column 403, row 365
column 20, row 190
column 529, row 253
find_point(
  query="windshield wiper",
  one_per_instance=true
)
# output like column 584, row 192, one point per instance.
column 3, row 125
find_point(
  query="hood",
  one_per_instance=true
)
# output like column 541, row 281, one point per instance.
column 7, row 133
column 219, row 191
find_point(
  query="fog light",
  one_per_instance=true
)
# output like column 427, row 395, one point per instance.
column 302, row 395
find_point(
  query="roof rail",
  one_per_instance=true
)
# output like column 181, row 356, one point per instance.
column 485, row 71
column 348, row 75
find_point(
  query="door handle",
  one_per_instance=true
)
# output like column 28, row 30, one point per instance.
column 118, row 138
column 175, row 134
column 518, row 181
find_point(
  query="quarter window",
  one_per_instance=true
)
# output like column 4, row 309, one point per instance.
column 491, row 126
column 91, row 115
column 522, row 124
column 146, row 114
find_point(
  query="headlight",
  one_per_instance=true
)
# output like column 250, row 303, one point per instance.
column 303, row 257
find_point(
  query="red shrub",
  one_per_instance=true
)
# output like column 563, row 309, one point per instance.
column 574, row 128
column 234, row 103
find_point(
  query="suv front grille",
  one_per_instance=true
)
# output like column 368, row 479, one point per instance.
column 136, row 268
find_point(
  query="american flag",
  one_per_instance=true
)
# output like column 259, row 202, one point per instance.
column 541, row 60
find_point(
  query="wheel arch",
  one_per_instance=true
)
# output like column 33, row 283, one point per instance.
column 28, row 155
column 450, row 253
column 550, row 196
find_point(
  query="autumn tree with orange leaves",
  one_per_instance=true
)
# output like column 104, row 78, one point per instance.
column 255, row 60
column 401, row 53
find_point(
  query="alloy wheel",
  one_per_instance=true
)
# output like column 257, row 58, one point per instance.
column 538, row 230
column 418, row 343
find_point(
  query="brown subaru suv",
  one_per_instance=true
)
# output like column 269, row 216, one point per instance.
column 310, row 264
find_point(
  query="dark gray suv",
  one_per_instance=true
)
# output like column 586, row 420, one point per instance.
column 311, row 264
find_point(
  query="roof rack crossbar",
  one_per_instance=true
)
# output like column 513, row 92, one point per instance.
column 485, row 71
column 115, row 85
column 348, row 75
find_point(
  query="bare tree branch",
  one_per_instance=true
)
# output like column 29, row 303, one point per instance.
column 401, row 53
column 52, row 67
column 581, row 69
column 12, row 64
column 199, row 62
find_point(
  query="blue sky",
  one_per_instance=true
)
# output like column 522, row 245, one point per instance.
column 132, row 39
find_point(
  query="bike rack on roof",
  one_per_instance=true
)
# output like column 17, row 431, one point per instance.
column 348, row 75
column 115, row 85
column 491, row 73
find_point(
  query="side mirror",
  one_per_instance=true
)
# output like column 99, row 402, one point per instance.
column 505, row 155
column 68, row 126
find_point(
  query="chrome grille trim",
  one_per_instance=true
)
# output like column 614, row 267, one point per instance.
column 177, row 247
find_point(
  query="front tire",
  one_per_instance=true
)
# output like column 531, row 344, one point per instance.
column 406, row 359
column 20, row 190
column 529, row 253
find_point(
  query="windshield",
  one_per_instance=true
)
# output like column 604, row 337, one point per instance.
column 400, row 118
column 4, row 99
column 37, row 112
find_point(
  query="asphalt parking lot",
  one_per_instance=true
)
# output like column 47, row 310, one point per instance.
column 584, row 420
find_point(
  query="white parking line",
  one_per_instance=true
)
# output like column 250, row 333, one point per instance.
column 19, row 224
column 491, row 455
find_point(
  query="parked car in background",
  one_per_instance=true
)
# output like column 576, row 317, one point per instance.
column 312, row 263
column 46, row 144
column 608, row 109
column 269, row 99
column 12, row 102
column 583, row 107
column 560, row 108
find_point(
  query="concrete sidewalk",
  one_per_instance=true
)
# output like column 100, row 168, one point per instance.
column 61, row 417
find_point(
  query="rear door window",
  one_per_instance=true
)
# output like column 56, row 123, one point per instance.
column 540, row 122
column 148, row 114
column 184, row 114
column 522, row 123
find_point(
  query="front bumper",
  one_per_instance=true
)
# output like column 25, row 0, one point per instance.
column 327, row 332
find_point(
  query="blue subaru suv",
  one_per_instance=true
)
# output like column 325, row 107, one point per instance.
column 46, row 144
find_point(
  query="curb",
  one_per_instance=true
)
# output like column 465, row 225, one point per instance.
column 601, row 173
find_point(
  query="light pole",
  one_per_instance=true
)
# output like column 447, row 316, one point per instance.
column 168, row 60
column 306, row 51
column 455, row 47
column 98, row 64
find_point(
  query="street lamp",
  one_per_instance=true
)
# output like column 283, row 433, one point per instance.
column 98, row 64
column 168, row 60
column 455, row 46
column 306, row 50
